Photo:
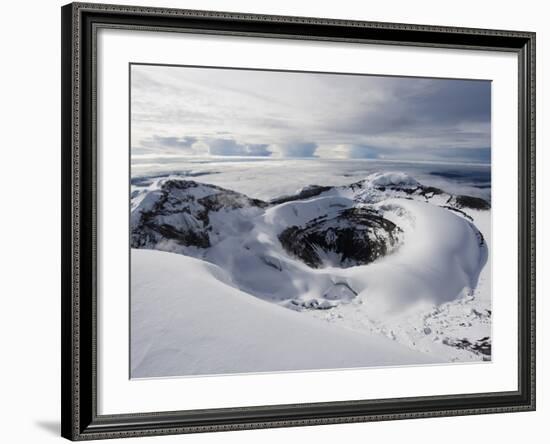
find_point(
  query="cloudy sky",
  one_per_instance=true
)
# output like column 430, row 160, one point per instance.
column 226, row 112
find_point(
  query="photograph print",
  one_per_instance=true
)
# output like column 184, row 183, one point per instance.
column 299, row 221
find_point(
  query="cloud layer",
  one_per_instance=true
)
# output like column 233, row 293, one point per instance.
column 229, row 112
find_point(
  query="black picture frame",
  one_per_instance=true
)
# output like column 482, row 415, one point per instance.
column 80, row 420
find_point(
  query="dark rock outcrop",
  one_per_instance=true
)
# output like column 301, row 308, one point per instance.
column 180, row 211
column 305, row 193
column 473, row 203
column 356, row 236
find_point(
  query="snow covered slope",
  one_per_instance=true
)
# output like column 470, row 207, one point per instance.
column 196, row 323
column 385, row 254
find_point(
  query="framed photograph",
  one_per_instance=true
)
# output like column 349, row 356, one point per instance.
column 281, row 221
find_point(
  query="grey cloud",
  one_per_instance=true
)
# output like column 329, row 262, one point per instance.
column 229, row 147
column 482, row 155
column 171, row 142
column 259, row 149
column 297, row 149
column 455, row 101
column 363, row 152
column 477, row 155
column 423, row 109
column 264, row 113
column 447, row 154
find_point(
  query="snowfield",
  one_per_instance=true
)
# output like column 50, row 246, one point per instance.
column 198, row 323
column 305, row 279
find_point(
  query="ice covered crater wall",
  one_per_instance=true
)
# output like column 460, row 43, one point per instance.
column 324, row 245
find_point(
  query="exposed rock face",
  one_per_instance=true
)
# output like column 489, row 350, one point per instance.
column 180, row 211
column 474, row 203
column 372, row 190
column 305, row 193
column 481, row 346
column 357, row 236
